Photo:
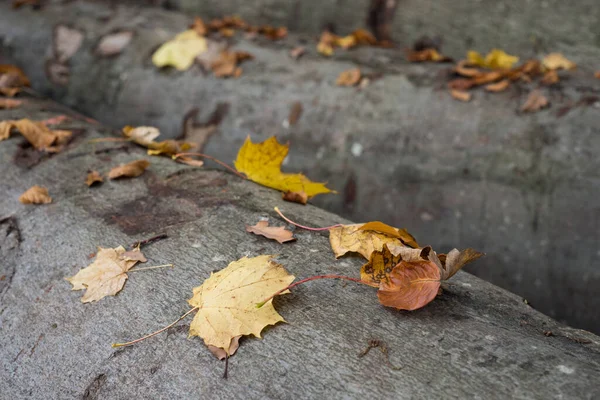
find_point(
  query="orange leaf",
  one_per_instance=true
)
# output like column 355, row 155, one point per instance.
column 401, row 234
column 93, row 178
column 350, row 77
column 460, row 95
column 131, row 170
column 278, row 233
column 35, row 195
column 411, row 285
column 498, row 86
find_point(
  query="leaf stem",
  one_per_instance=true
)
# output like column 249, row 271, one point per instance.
column 153, row 239
column 153, row 267
column 154, row 333
column 302, row 226
column 109, row 139
column 314, row 278
column 213, row 159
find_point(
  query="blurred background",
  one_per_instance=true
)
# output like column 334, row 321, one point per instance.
column 524, row 187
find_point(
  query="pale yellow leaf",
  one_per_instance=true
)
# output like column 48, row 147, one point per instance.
column 181, row 51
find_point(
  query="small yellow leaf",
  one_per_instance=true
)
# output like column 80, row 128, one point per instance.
column 181, row 51
column 554, row 61
column 227, row 301
column 351, row 238
column 106, row 275
column 495, row 59
column 261, row 162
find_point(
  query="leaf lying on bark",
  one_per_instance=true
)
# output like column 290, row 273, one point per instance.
column 411, row 285
column 114, row 43
column 278, row 233
column 37, row 134
column 381, row 263
column 349, row 77
column 356, row 238
column 12, row 79
column 35, row 195
column 554, row 61
column 429, row 54
column 360, row 37
column 226, row 65
column 461, row 95
column 181, row 51
column 295, row 197
column 130, row 170
column 93, row 178
column 495, row 59
column 9, row 104
column 226, row 301
column 106, row 275
column 535, row 102
column 261, row 162
column 145, row 135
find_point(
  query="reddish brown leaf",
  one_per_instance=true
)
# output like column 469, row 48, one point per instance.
column 295, row 113
column 411, row 285
column 278, row 233
column 297, row 52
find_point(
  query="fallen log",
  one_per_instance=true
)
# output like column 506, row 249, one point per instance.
column 521, row 187
column 473, row 340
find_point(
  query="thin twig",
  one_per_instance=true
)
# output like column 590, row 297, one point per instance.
column 154, row 333
column 302, row 226
column 153, row 267
column 149, row 241
column 176, row 156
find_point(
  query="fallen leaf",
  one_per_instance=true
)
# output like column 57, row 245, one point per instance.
column 326, row 43
column 10, row 92
column 35, row 195
column 295, row 113
column 381, row 263
column 364, row 37
column 499, row 86
column 134, row 255
column 131, row 170
column 57, row 72
column 535, row 102
column 346, row 42
column 113, row 44
column 278, row 233
column 273, row 33
column 495, row 59
column 93, row 178
column 351, row 238
column 411, row 285
column 261, row 162
column 36, row 133
column 554, row 61
column 199, row 26
column 146, row 135
column 190, row 161
column 226, row 32
column 453, row 261
column 227, row 301
column 295, row 197
column 10, row 103
column 35, row 4
column 461, row 95
column 402, row 234
column 213, row 52
column 67, row 41
column 297, row 52
column 181, row 51
column 350, row 77
column 105, row 276
column 597, row 74
column 550, row 78
column 462, row 69
column 12, row 77
column 227, row 63
column 426, row 55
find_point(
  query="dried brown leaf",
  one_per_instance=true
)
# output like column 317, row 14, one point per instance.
column 12, row 77
column 297, row 52
column 411, row 285
column 93, row 178
column 535, row 102
column 295, row 197
column 550, row 78
column 190, row 161
column 10, row 103
column 461, row 95
column 498, row 86
column 453, row 261
column 221, row 353
column 35, row 195
column 199, row 26
column 425, row 55
column 295, row 113
column 555, row 61
column 350, row 77
column 278, row 233
column 36, row 133
column 131, row 170
column 381, row 263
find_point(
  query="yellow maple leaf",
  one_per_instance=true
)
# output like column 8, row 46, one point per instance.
column 495, row 59
column 106, row 275
column 355, row 238
column 227, row 301
column 261, row 162
column 181, row 51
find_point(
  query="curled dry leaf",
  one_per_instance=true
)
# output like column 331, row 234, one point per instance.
column 57, row 72
column 199, row 26
column 278, row 233
column 295, row 197
column 181, row 51
column 190, row 161
column 37, row 134
column 12, row 77
column 550, row 78
column 535, row 102
column 9, row 103
column 349, row 77
column 495, row 59
column 35, row 195
column 67, row 41
column 554, row 61
column 461, row 95
column 261, row 162
column 297, row 52
column 93, row 178
column 381, row 263
column 227, row 301
column 145, row 135
column 106, row 275
column 114, row 43
column 411, row 285
column 221, row 354
column 351, row 238
column 424, row 55
column 452, row 262
column 499, row 86
column 131, row 170
column 226, row 65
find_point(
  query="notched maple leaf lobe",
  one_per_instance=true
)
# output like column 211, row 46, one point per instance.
column 278, row 233
column 106, row 275
column 411, row 285
column 227, row 301
column 36, row 195
column 131, row 170
column 261, row 162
